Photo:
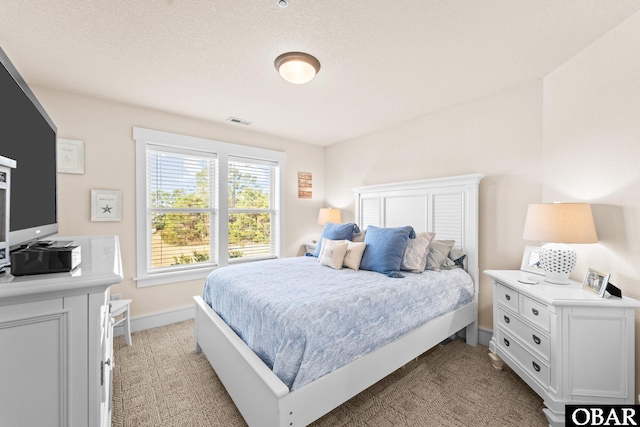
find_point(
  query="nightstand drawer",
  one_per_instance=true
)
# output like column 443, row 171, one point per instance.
column 536, row 340
column 535, row 367
column 535, row 312
column 508, row 297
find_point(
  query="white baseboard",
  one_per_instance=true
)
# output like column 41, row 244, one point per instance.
column 148, row 321
column 484, row 336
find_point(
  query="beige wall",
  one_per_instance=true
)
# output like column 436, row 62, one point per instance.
column 106, row 129
column 591, row 152
column 498, row 136
column 573, row 137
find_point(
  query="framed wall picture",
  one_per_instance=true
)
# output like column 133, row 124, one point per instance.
column 531, row 260
column 106, row 205
column 595, row 282
column 70, row 156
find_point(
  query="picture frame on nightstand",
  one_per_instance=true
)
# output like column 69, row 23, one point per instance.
column 595, row 282
column 531, row 260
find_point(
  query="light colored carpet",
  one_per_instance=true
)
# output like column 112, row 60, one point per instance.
column 160, row 381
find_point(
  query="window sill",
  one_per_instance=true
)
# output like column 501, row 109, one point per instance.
column 172, row 277
column 168, row 277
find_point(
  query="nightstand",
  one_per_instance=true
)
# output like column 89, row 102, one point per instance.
column 569, row 346
column 311, row 247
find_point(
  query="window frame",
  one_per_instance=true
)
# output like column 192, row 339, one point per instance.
column 144, row 138
column 212, row 210
column 272, row 210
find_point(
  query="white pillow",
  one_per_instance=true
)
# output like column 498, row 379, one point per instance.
column 353, row 256
column 332, row 253
column 415, row 254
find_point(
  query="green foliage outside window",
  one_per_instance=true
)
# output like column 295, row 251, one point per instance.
column 249, row 233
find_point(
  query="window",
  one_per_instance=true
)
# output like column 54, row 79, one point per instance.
column 181, row 207
column 202, row 204
column 251, row 208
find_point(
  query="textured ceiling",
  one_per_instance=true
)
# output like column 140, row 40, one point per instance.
column 383, row 62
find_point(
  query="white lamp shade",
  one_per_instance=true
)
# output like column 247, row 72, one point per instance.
column 558, row 224
column 329, row 215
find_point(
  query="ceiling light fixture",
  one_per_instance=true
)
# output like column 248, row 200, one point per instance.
column 297, row 67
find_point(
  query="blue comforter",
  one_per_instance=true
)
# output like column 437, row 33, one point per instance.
column 305, row 320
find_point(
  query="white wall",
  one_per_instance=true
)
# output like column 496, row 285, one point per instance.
column 498, row 136
column 591, row 152
column 106, row 129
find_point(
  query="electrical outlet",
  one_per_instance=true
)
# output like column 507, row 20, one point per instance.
column 116, row 296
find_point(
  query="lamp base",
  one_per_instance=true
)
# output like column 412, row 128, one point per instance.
column 557, row 278
column 557, row 260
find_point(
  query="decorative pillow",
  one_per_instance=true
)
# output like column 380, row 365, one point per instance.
column 415, row 254
column 353, row 257
column 358, row 237
column 438, row 253
column 334, row 231
column 460, row 261
column 457, row 256
column 333, row 253
column 385, row 247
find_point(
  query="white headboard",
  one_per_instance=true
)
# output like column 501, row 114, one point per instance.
column 447, row 206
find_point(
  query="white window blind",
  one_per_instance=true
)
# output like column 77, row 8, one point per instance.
column 253, row 230
column 181, row 208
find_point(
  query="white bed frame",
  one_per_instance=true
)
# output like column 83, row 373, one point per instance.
column 447, row 206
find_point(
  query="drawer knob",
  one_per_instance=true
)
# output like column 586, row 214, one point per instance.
column 536, row 339
column 535, row 312
column 508, row 297
column 506, row 319
column 536, row 366
column 506, row 342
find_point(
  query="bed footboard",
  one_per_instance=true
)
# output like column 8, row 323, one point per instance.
column 265, row 401
column 254, row 388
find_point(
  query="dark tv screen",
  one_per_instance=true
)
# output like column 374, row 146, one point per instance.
column 28, row 136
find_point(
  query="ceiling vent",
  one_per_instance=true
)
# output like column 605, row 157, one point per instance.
column 238, row 121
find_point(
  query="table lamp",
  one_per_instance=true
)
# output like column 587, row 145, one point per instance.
column 329, row 215
column 559, row 224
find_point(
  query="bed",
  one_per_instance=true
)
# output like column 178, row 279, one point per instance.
column 264, row 394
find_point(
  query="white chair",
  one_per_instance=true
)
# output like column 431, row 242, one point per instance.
column 118, row 307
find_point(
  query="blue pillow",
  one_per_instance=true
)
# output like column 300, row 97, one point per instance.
column 385, row 247
column 334, row 231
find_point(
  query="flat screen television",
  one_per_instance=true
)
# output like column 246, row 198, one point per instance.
column 28, row 136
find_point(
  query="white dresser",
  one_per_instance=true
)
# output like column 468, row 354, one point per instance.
column 569, row 346
column 56, row 341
